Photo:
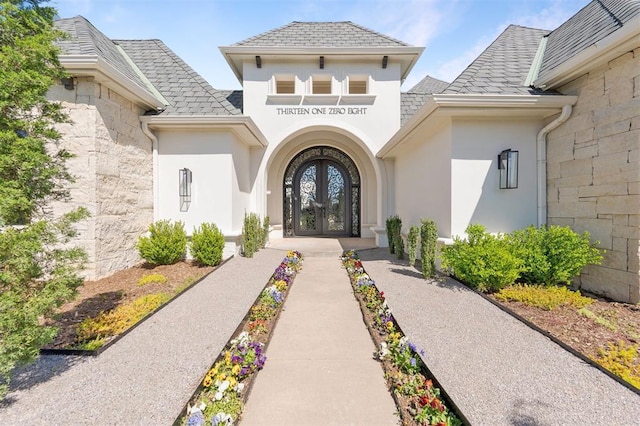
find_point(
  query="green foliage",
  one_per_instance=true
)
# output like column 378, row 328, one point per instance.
column 35, row 279
column 394, row 229
column 553, row 255
column 622, row 360
column 166, row 243
column 544, row 297
column 38, row 266
column 118, row 320
column 428, row 244
column 252, row 234
column 598, row 319
column 207, row 244
column 412, row 244
column 152, row 278
column 265, row 232
column 31, row 165
column 483, row 261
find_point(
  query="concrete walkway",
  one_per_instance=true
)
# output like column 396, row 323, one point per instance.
column 320, row 368
column 497, row 370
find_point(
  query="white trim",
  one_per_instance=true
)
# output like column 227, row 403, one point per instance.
column 242, row 125
column 541, row 146
column 105, row 73
column 623, row 40
column 156, row 171
column 478, row 105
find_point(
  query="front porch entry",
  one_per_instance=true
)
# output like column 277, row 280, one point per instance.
column 321, row 194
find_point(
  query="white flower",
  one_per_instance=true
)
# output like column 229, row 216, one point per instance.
column 384, row 351
column 222, row 419
column 239, row 387
column 221, row 387
column 196, row 408
column 241, row 339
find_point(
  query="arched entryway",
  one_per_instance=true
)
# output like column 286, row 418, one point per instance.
column 321, row 194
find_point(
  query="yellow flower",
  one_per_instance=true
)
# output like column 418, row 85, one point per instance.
column 227, row 356
column 207, row 381
column 390, row 325
column 232, row 382
column 221, row 377
column 236, row 369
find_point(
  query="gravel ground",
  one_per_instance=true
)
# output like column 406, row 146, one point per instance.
column 497, row 370
column 148, row 376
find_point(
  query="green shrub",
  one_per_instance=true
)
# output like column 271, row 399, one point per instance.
column 552, row 255
column 265, row 231
column 166, row 243
column 207, row 244
column 251, row 234
column 394, row 229
column 547, row 298
column 483, row 261
column 428, row 243
column 412, row 244
column 152, row 278
column 390, row 223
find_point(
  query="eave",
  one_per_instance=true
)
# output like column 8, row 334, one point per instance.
column 104, row 73
column 471, row 105
column 242, row 126
column 625, row 39
column 235, row 56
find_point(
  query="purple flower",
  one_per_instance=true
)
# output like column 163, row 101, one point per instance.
column 196, row 419
column 413, row 347
column 413, row 362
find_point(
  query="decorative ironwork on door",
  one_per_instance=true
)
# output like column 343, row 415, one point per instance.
column 322, row 194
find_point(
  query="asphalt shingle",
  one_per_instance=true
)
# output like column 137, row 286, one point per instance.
column 187, row 92
column 321, row 34
column 85, row 39
column 503, row 67
column 591, row 24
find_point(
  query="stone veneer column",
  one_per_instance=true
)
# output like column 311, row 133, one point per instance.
column 593, row 173
column 114, row 173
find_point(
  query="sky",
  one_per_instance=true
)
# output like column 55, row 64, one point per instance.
column 453, row 32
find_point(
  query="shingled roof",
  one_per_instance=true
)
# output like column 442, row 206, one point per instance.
column 321, row 34
column 503, row 67
column 591, row 24
column 85, row 39
column 187, row 92
column 414, row 99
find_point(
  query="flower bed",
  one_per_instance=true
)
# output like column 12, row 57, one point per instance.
column 220, row 397
column 419, row 401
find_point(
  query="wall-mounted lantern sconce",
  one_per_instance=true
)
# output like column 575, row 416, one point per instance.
column 321, row 62
column 508, row 166
column 184, row 189
column 258, row 62
column 67, row 82
column 385, row 61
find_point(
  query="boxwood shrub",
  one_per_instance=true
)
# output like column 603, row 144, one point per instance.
column 166, row 243
column 207, row 244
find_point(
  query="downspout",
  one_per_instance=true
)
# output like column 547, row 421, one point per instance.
column 156, row 173
column 541, row 144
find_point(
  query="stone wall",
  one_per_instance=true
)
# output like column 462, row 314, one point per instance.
column 114, row 173
column 593, row 173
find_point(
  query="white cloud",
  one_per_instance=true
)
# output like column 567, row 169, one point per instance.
column 550, row 17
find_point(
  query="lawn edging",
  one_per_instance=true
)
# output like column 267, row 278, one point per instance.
column 115, row 339
column 194, row 414
column 551, row 337
column 387, row 326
